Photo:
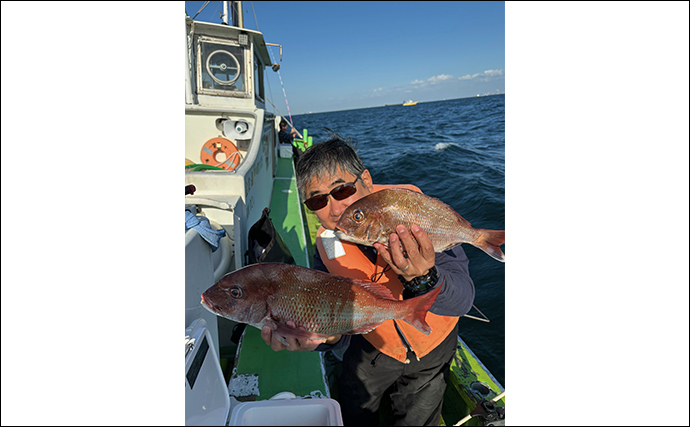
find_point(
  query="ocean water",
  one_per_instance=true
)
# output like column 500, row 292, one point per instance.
column 455, row 151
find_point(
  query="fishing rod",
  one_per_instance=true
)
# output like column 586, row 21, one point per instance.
column 283, row 117
column 485, row 319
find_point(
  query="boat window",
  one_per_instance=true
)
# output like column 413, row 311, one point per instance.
column 220, row 67
column 258, row 78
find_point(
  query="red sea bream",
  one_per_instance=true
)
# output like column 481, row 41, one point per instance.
column 322, row 304
column 374, row 217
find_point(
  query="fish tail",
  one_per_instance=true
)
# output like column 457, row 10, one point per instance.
column 417, row 308
column 489, row 241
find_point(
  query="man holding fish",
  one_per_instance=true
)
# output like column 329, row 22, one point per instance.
column 402, row 253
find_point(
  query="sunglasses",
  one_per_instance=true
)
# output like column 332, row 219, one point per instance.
column 338, row 193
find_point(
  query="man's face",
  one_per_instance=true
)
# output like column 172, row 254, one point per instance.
column 329, row 214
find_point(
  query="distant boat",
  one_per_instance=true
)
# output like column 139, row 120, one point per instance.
column 409, row 102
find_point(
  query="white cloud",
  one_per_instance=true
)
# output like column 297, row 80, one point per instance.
column 482, row 76
column 432, row 80
column 439, row 78
column 493, row 72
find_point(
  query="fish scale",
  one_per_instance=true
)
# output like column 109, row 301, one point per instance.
column 323, row 309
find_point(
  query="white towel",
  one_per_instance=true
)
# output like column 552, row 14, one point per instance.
column 333, row 245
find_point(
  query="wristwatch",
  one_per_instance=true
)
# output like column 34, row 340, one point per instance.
column 421, row 284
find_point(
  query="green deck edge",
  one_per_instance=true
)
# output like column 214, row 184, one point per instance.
column 313, row 224
column 286, row 211
column 301, row 373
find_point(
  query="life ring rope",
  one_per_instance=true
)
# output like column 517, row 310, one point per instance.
column 215, row 146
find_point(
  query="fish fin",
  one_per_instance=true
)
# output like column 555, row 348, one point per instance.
column 376, row 289
column 364, row 329
column 463, row 220
column 489, row 241
column 418, row 307
column 290, row 332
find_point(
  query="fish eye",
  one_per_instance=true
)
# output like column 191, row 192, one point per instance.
column 236, row 293
column 358, row 215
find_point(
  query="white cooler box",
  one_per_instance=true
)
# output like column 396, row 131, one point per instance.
column 285, row 151
column 284, row 409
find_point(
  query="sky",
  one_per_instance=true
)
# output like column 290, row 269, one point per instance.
column 348, row 55
column 597, row 198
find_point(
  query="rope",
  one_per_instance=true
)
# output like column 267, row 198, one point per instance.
column 267, row 79
column 254, row 12
column 202, row 8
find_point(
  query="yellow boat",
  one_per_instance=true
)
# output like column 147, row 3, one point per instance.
column 409, row 102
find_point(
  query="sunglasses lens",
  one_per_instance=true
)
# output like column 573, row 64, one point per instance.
column 344, row 191
column 340, row 192
column 318, row 202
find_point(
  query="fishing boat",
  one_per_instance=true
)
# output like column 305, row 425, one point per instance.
column 235, row 168
column 236, row 173
column 409, row 102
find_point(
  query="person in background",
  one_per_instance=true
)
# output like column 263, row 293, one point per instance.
column 285, row 137
column 396, row 357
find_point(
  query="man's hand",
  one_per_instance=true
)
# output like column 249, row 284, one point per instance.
column 294, row 344
column 420, row 253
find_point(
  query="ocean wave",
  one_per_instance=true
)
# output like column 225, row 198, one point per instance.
column 444, row 145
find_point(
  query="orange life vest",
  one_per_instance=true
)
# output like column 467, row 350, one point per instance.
column 354, row 264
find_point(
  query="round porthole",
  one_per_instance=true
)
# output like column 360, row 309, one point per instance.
column 221, row 63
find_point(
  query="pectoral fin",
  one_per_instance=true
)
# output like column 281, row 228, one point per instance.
column 364, row 329
column 286, row 331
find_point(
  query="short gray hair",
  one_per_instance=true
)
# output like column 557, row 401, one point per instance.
column 324, row 158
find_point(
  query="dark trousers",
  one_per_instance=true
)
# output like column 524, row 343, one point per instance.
column 416, row 389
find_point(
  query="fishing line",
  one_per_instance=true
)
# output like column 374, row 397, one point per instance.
column 284, row 94
column 279, row 76
column 269, row 81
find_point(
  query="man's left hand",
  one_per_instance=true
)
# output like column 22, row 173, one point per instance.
column 420, row 253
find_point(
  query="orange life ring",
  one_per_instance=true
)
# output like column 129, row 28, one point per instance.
column 215, row 146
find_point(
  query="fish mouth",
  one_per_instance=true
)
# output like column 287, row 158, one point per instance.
column 350, row 238
column 207, row 304
column 342, row 235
